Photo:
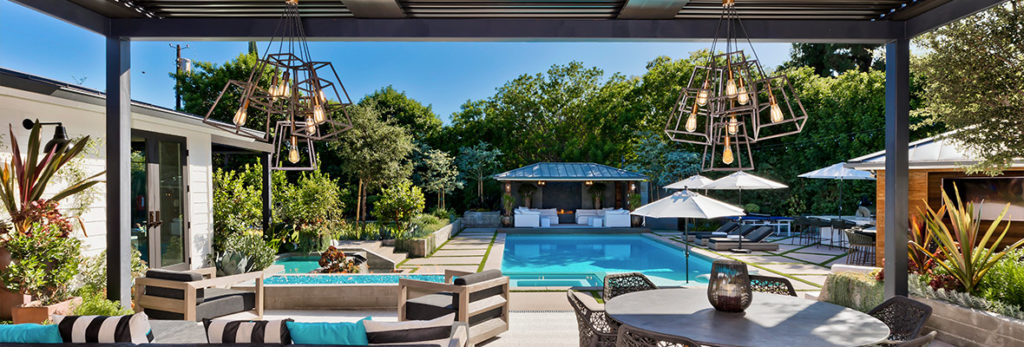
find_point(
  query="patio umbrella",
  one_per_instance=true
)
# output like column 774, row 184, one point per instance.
column 692, row 182
column 740, row 180
column 840, row 172
column 688, row 204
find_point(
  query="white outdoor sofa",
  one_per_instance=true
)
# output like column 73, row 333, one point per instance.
column 535, row 218
column 610, row 217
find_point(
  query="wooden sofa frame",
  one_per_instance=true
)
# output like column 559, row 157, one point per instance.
column 187, row 306
column 482, row 331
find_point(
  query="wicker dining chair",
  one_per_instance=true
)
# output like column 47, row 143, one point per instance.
column 596, row 329
column 632, row 337
column 618, row 284
column 922, row 341
column 904, row 316
column 773, row 285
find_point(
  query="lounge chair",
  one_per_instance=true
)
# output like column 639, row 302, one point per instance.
column 479, row 299
column 725, row 229
column 754, row 240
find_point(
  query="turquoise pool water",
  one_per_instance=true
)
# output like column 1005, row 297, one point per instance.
column 348, row 279
column 299, row 264
column 559, row 260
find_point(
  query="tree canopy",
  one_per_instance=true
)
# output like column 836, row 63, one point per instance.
column 419, row 120
column 831, row 59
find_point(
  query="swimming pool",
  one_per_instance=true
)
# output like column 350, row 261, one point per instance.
column 347, row 279
column 559, row 260
column 299, row 264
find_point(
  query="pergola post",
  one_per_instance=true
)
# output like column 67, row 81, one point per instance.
column 897, row 172
column 118, row 165
column 266, row 160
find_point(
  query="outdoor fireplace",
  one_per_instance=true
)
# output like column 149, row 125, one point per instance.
column 566, row 216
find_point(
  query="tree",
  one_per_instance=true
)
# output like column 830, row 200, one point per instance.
column 476, row 163
column 660, row 161
column 419, row 120
column 832, row 59
column 375, row 152
column 399, row 203
column 974, row 83
column 440, row 174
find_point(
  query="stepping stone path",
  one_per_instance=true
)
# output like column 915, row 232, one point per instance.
column 463, row 252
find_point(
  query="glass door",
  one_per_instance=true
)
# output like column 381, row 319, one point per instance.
column 159, row 208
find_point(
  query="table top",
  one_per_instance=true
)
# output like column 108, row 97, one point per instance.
column 771, row 320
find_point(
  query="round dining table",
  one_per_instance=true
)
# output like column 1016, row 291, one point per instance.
column 770, row 320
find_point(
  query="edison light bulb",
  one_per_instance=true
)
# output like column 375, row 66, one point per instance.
column 702, row 94
column 323, row 98
column 282, row 86
column 241, row 115
column 318, row 114
column 727, row 153
column 742, row 97
column 733, row 125
column 293, row 151
column 310, row 126
column 730, row 88
column 776, row 112
column 691, row 122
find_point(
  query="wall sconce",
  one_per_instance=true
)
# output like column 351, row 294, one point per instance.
column 60, row 135
column 508, row 187
column 541, row 183
column 589, row 183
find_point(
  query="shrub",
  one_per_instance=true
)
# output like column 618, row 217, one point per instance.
column 857, row 291
column 97, row 305
column 752, row 208
column 333, row 260
column 1005, row 281
column 424, row 224
column 237, row 204
column 43, row 263
column 918, row 287
column 443, row 213
column 258, row 254
column 399, row 203
column 93, row 273
column 311, row 208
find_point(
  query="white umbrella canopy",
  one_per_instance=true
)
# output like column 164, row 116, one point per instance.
column 688, row 204
column 740, row 180
column 838, row 171
column 692, row 182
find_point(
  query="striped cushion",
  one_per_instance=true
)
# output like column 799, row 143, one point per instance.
column 247, row 331
column 434, row 331
column 102, row 329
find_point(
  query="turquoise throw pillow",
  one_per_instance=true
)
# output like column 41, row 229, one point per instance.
column 30, row 333
column 328, row 333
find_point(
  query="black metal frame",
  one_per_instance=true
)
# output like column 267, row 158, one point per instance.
column 893, row 28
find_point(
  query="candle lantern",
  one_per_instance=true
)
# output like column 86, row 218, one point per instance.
column 729, row 286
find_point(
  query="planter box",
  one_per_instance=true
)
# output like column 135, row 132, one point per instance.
column 962, row 326
column 490, row 219
column 34, row 313
column 422, row 247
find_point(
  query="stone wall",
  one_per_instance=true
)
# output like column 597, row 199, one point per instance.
column 422, row 247
column 490, row 219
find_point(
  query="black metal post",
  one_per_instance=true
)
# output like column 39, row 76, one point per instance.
column 897, row 134
column 267, row 193
column 118, row 161
column 686, row 241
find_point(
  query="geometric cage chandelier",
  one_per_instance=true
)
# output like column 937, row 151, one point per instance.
column 730, row 102
column 285, row 86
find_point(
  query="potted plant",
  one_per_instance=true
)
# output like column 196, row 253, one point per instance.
column 634, row 203
column 44, row 262
column 597, row 190
column 507, row 203
column 526, row 191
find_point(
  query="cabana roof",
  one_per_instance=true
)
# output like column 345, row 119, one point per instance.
column 936, row 152
column 568, row 172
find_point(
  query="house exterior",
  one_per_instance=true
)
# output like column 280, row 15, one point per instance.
column 936, row 163
column 567, row 186
column 172, row 165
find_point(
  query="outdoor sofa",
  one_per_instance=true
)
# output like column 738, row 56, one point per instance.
column 611, row 217
column 177, row 333
column 754, row 240
column 534, row 218
column 478, row 299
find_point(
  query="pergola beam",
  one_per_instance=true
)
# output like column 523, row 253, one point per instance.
column 505, row 29
column 945, row 14
column 651, row 9
column 72, row 13
column 118, row 165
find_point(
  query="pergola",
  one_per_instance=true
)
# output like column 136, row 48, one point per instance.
column 889, row 22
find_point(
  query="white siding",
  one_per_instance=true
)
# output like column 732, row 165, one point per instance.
column 81, row 119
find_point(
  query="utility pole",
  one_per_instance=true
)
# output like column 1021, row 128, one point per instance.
column 178, row 64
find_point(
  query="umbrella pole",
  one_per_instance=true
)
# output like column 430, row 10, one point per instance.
column 840, row 198
column 686, row 240
column 740, row 249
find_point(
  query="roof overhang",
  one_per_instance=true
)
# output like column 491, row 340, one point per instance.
column 562, row 179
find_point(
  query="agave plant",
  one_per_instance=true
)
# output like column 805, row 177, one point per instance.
column 919, row 261
column 961, row 249
column 24, row 180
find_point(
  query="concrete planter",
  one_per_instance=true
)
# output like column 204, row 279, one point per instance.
column 489, row 219
column 33, row 312
column 422, row 247
column 962, row 326
column 9, row 299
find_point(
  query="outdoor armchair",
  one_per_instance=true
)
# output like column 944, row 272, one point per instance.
column 525, row 218
column 596, row 329
column 773, row 285
column 633, row 337
column 904, row 316
column 479, row 299
column 622, row 283
column 198, row 294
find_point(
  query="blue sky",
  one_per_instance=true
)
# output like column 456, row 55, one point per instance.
column 443, row 74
